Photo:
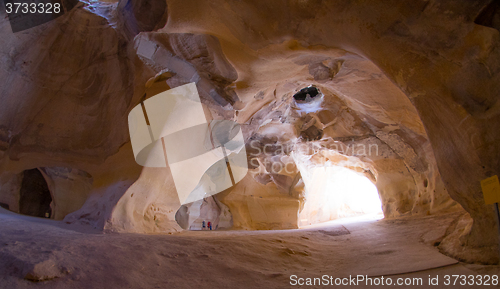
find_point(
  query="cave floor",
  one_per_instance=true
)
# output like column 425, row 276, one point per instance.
column 397, row 248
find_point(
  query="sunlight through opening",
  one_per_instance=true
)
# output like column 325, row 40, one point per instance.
column 334, row 192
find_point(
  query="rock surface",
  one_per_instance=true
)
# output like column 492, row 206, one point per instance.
column 227, row 259
column 417, row 79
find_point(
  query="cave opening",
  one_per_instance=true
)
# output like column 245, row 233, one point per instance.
column 307, row 94
column 336, row 192
column 207, row 214
column 35, row 198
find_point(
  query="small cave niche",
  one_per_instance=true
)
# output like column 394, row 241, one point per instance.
column 307, row 94
column 35, row 195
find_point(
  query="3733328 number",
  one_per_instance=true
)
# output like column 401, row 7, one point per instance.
column 470, row 280
column 33, row 8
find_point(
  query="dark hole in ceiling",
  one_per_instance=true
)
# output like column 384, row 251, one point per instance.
column 306, row 94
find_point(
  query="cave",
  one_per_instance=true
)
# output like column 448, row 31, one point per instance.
column 320, row 139
column 35, row 198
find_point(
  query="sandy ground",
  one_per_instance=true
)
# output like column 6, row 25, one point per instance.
column 75, row 257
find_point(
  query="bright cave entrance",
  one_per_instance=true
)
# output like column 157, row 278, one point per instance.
column 336, row 192
column 35, row 195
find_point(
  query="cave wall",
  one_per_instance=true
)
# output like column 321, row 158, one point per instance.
column 10, row 188
column 75, row 102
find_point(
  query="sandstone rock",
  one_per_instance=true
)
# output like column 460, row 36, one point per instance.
column 418, row 79
column 42, row 271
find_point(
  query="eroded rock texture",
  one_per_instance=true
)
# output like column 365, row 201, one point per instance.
column 414, row 83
